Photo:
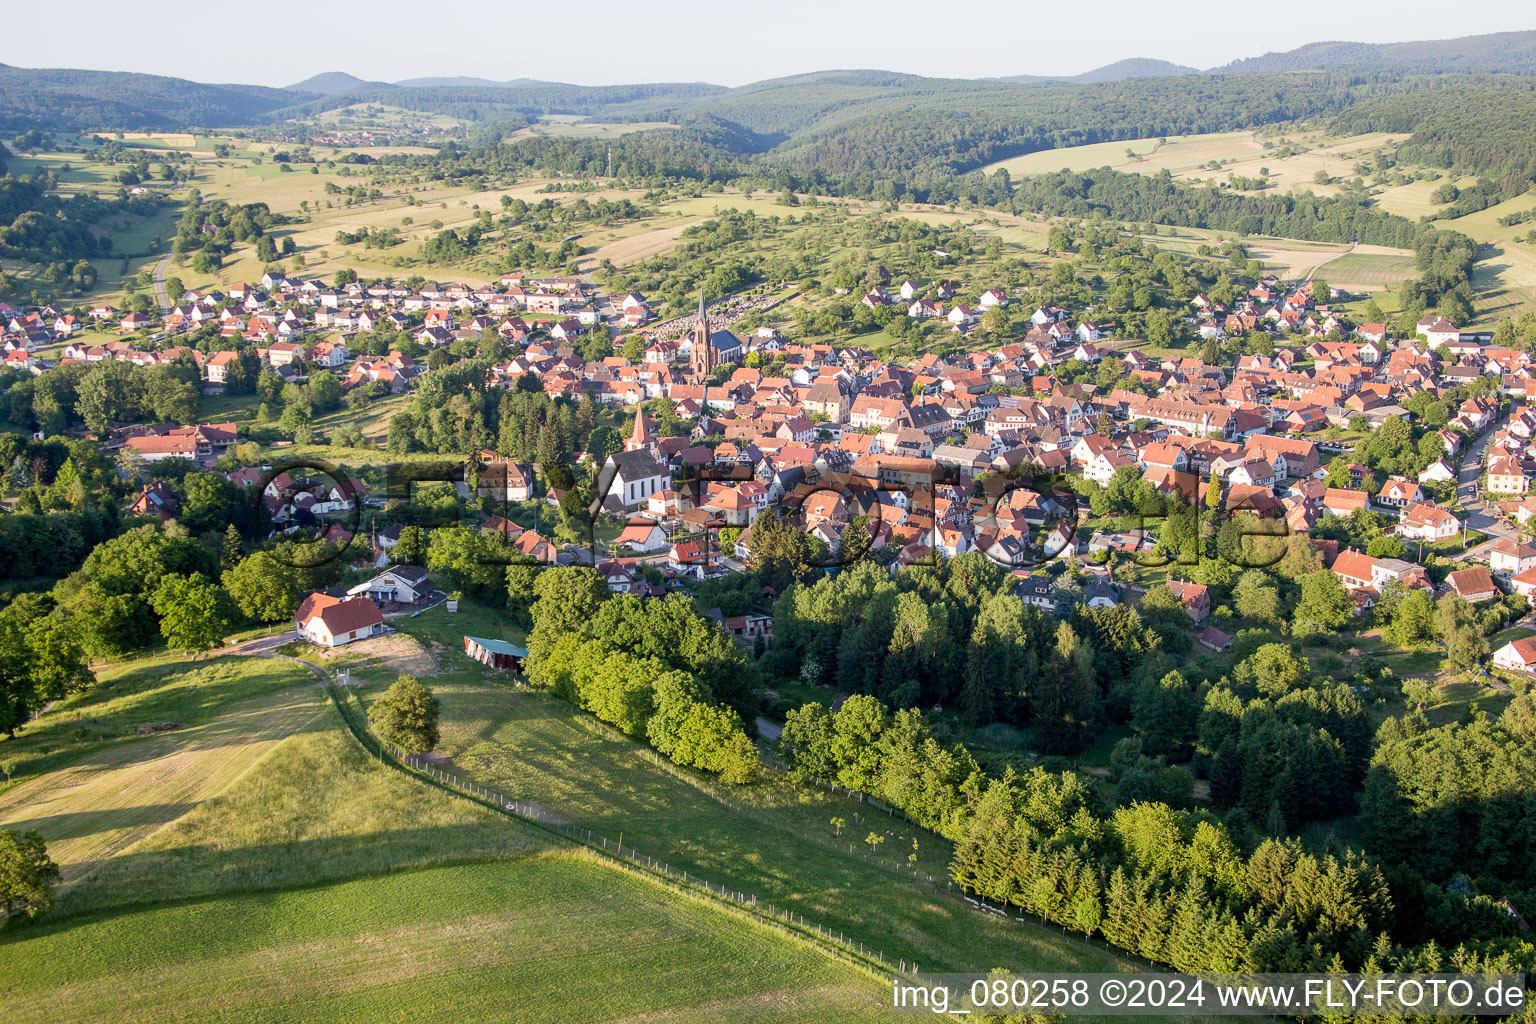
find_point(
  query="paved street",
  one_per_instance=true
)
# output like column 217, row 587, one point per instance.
column 1479, row 518
column 160, row 296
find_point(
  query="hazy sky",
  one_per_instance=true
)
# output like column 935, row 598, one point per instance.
column 607, row 41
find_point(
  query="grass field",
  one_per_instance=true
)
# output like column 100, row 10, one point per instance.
column 110, row 794
column 1505, row 277
column 1368, row 270
column 315, row 809
column 773, row 841
column 554, row 938
column 312, row 883
column 563, row 128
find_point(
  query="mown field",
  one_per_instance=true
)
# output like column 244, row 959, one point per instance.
column 92, row 786
column 232, row 873
column 551, row 938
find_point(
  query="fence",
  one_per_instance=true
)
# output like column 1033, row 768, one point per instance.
column 785, row 921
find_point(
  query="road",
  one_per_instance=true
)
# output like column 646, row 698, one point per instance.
column 1478, row 517
column 160, row 296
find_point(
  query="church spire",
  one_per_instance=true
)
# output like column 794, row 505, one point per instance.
column 702, row 359
column 641, row 436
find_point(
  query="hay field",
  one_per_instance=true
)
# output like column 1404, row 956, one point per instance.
column 114, row 795
column 553, row 938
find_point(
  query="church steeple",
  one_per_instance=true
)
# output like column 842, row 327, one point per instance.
column 702, row 359
column 640, row 437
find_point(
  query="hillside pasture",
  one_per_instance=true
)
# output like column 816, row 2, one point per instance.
column 554, row 938
column 1368, row 271
column 563, row 128
column 772, row 839
column 315, row 808
column 115, row 793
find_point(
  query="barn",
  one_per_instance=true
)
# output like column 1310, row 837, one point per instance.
column 496, row 653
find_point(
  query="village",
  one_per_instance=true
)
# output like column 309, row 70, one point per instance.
column 914, row 453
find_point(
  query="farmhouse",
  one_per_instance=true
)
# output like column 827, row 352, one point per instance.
column 1475, row 585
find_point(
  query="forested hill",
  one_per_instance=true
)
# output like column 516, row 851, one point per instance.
column 1498, row 53
column 488, row 102
column 961, row 130
column 52, row 98
column 1131, row 67
column 1472, row 132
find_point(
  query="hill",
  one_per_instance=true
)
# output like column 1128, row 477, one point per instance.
column 331, row 83
column 1119, row 71
column 62, row 98
column 461, row 80
column 1499, row 52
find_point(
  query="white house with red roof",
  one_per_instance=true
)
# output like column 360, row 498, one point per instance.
column 333, row 621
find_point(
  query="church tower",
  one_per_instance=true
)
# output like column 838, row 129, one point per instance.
column 640, row 438
column 701, row 360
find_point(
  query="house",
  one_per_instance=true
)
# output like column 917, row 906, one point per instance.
column 399, row 584
column 1525, row 583
column 496, row 653
column 156, row 499
column 1398, row 493
column 332, row 621
column 1098, row 592
column 1475, row 585
column 1518, row 656
column 643, row 536
column 1338, row 501
column 1196, row 598
column 1214, row 639
column 1438, row 331
column 697, row 556
column 505, row 481
column 1039, row 591
column 1437, row 472
column 531, row 545
column 1511, row 558
column 1507, row 476
column 1427, row 522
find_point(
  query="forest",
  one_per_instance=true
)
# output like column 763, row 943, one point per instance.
column 1486, row 132
column 40, row 226
column 1225, row 885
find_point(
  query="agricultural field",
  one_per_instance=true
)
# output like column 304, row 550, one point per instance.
column 1505, row 277
column 559, row 126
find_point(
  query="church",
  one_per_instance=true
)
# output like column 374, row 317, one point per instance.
column 711, row 348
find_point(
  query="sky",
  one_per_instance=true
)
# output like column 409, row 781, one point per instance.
column 605, row 42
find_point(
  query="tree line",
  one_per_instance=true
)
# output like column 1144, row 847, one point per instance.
column 654, row 669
